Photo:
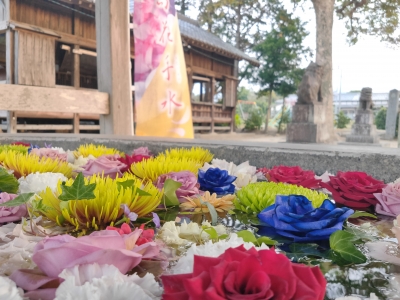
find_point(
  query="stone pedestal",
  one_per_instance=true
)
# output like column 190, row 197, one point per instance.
column 308, row 123
column 391, row 114
column 363, row 130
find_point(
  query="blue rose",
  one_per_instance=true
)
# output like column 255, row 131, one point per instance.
column 294, row 217
column 216, row 181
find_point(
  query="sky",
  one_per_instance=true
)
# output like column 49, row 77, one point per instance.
column 369, row 63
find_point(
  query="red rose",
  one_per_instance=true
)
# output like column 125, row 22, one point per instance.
column 293, row 175
column 354, row 189
column 21, row 144
column 131, row 159
column 246, row 274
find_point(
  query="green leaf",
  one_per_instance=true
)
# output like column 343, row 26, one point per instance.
column 78, row 190
column 298, row 251
column 20, row 199
column 223, row 237
column 170, row 187
column 342, row 244
column 360, row 234
column 267, row 241
column 8, row 183
column 40, row 207
column 129, row 183
column 211, row 232
column 213, row 212
column 248, row 236
column 359, row 214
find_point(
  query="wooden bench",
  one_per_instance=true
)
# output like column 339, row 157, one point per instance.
column 38, row 101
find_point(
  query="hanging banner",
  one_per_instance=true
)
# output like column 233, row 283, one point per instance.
column 162, row 98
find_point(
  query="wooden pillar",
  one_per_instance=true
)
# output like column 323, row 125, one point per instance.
column 113, row 67
column 212, row 103
column 10, row 71
column 76, row 79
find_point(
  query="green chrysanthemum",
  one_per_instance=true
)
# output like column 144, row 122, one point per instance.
column 254, row 197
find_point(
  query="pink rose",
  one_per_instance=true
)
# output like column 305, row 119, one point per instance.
column 11, row 214
column 389, row 200
column 144, row 151
column 189, row 187
column 107, row 164
column 50, row 153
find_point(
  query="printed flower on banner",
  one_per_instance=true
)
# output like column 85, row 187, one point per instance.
column 389, row 200
column 295, row 218
column 354, row 189
column 246, row 274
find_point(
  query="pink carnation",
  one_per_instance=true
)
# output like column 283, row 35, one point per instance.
column 11, row 214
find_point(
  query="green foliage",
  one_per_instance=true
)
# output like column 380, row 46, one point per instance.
column 341, row 120
column 299, row 251
column 380, row 118
column 255, row 119
column 78, row 190
column 8, row 183
column 359, row 214
column 254, row 197
column 170, row 198
column 17, row 201
column 343, row 251
column 243, row 93
column 238, row 120
column 130, row 183
column 249, row 237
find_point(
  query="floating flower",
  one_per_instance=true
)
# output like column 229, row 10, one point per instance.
column 246, row 274
column 354, row 189
column 95, row 150
column 105, row 282
column 152, row 168
column 23, row 164
column 187, row 232
column 197, row 204
column 396, row 228
column 4, row 149
column 197, row 154
column 216, row 181
column 295, row 218
column 293, row 175
column 105, row 209
column 210, row 249
column 9, row 291
column 11, row 214
column 128, row 160
column 37, row 182
column 189, row 187
column 144, row 151
column 50, row 153
column 254, row 197
column 389, row 200
column 108, row 165
column 244, row 173
column 125, row 229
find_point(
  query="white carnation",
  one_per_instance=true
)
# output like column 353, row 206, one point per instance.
column 105, row 282
column 8, row 290
column 37, row 182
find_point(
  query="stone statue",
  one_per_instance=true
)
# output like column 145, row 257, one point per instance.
column 310, row 86
column 366, row 99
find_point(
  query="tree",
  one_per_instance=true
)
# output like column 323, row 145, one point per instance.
column 342, row 120
column 280, row 54
column 241, row 23
column 184, row 5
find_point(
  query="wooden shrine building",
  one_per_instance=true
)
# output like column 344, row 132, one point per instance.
column 51, row 45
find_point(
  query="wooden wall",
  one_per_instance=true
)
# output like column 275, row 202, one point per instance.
column 55, row 17
column 221, row 65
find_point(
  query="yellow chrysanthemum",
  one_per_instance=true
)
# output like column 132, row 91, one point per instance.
column 222, row 204
column 15, row 148
column 195, row 153
column 24, row 164
column 153, row 167
column 95, row 150
column 105, row 209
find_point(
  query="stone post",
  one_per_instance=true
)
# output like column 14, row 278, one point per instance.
column 391, row 114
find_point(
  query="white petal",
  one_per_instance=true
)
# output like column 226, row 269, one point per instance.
column 9, row 290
